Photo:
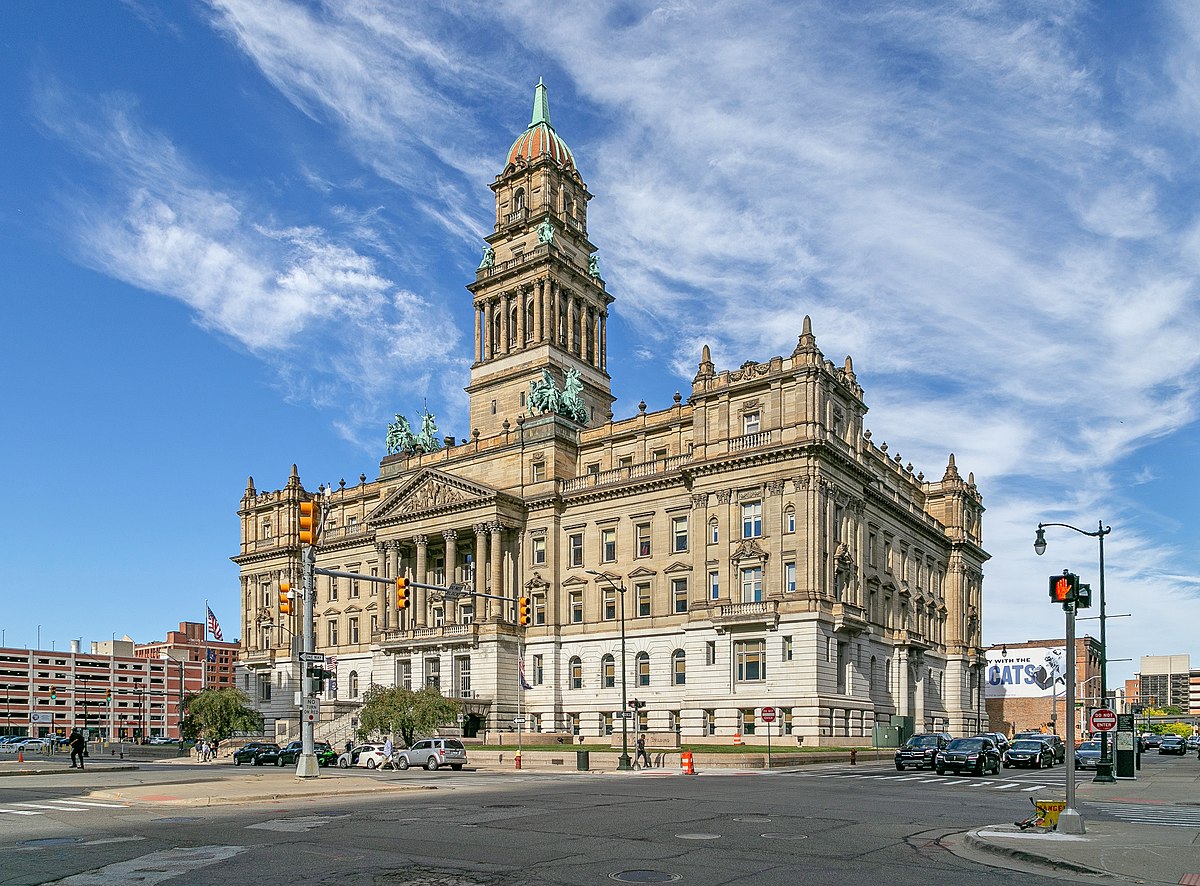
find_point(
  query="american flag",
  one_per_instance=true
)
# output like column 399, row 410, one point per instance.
column 521, row 674
column 213, row 627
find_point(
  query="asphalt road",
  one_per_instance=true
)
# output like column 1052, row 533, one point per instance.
column 832, row 825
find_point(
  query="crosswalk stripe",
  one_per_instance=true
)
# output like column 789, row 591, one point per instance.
column 1003, row 787
column 18, row 812
column 91, row 804
column 1036, row 787
column 43, row 806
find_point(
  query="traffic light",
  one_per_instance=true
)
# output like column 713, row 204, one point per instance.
column 401, row 594
column 53, row 693
column 1064, row 588
column 1083, row 597
column 319, row 676
column 636, row 703
column 309, row 517
column 285, row 598
column 523, row 611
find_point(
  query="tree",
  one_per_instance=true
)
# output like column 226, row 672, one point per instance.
column 400, row 710
column 219, row 713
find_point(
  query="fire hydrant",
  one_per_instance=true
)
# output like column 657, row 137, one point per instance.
column 853, row 757
column 517, row 760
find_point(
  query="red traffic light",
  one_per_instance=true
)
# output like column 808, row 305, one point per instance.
column 1064, row 588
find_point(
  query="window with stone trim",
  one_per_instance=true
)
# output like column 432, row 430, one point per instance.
column 538, row 550
column 679, row 535
column 642, row 589
column 750, row 661
column 575, row 549
column 609, row 604
column 608, row 545
column 679, row 593
column 643, row 669
column 576, row 607
column 576, row 670
column 752, row 519
column 679, row 667
column 641, row 534
column 608, row 672
column 752, row 584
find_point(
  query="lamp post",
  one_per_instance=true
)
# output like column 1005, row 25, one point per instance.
column 1104, row 767
column 625, row 764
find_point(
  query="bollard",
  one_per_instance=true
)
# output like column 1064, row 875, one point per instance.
column 737, row 739
column 686, row 765
column 853, row 757
column 517, row 760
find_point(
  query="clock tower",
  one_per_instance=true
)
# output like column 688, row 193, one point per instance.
column 540, row 303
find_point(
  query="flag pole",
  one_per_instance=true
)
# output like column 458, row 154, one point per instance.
column 204, row 659
column 520, row 688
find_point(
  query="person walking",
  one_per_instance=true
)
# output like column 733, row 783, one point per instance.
column 641, row 752
column 77, row 745
column 388, row 748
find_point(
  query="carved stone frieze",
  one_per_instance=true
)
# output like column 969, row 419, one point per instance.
column 723, row 496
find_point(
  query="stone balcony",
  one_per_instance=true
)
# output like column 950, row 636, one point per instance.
column 456, row 634
column 729, row 615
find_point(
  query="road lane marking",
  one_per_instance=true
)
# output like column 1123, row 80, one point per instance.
column 91, row 804
column 43, row 806
column 1036, row 787
column 152, row 869
column 1004, row 787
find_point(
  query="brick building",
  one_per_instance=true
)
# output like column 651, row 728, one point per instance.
column 1026, row 685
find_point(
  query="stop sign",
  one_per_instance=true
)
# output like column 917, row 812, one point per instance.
column 1103, row 720
column 768, row 715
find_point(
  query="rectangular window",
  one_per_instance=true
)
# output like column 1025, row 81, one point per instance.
column 789, row 577
column 714, row 532
column 679, row 535
column 752, row 519
column 333, row 633
column 462, row 667
column 333, row 587
column 539, row 609
column 751, row 422
column 264, row 687
column 439, row 617
column 750, row 660
column 539, row 550
column 466, row 613
column 625, row 461
column 714, row 585
column 843, row 666
column 789, row 521
column 433, row 672
column 710, row 722
column 787, row 648
column 787, row 721
column 374, row 624
column 405, row 679
column 610, row 604
column 575, row 548
column 608, row 545
column 539, row 671
column 679, row 593
column 748, row 721
column 658, row 455
column 353, row 630
column 576, row 674
column 643, row 600
column 538, row 472
column 354, row 587
column 752, row 585
column 871, row 541
column 641, row 534
column 576, row 607
column 710, row 652
column 593, row 468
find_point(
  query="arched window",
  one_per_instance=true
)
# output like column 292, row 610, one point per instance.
column 643, row 668
column 519, row 200
column 512, row 326
column 576, row 673
column 789, row 520
column 497, row 328
column 353, row 684
column 529, row 320
column 714, row 534
column 608, row 672
column 679, row 667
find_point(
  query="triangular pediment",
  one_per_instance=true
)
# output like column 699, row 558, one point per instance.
column 573, row 580
column 430, row 491
column 678, row 566
column 641, row 572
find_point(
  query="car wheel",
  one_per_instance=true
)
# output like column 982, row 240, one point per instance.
column 996, row 768
column 279, row 761
column 900, row 767
column 343, row 764
column 979, row 767
column 402, row 763
column 941, row 770
column 456, row 766
column 237, row 761
column 431, row 764
column 371, row 763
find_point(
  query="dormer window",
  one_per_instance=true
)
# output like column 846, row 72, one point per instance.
column 519, row 200
column 751, row 422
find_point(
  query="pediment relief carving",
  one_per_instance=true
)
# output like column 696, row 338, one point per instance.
column 748, row 549
column 536, row 583
column 430, row 490
column 574, row 580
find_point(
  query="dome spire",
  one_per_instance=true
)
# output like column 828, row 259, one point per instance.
column 541, row 105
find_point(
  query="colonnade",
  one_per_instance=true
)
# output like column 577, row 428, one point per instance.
column 542, row 312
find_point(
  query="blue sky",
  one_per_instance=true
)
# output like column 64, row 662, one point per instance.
column 235, row 235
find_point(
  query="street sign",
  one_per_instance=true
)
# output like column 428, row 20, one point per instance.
column 312, row 656
column 1103, row 720
column 768, row 715
column 518, row 721
column 624, row 715
column 40, row 717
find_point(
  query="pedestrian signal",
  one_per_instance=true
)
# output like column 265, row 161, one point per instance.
column 285, row 598
column 523, row 611
column 309, row 515
column 402, row 593
column 1064, row 588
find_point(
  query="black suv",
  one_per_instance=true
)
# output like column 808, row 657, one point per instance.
column 922, row 750
column 249, row 753
column 291, row 753
column 978, row 755
column 1057, row 745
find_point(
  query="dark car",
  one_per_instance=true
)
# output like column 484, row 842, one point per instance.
column 922, row 750
column 290, row 754
column 249, row 753
column 978, row 755
column 1057, row 745
column 1173, row 744
column 1031, row 752
column 1087, row 755
column 1150, row 740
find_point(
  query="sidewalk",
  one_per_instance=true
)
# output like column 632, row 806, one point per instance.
column 1145, row 853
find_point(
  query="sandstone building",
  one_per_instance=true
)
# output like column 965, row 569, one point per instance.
column 763, row 550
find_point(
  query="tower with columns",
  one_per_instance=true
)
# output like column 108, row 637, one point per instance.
column 771, row 551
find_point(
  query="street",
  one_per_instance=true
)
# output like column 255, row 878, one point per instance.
column 834, row 824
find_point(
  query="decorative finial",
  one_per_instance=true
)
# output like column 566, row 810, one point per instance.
column 951, row 470
column 541, row 105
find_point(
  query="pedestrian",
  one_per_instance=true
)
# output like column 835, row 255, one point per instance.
column 641, row 752
column 349, row 746
column 78, row 746
column 388, row 748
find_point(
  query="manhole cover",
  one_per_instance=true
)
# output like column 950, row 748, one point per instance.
column 698, row 836
column 178, row 819
column 644, row 877
column 785, row 836
column 50, row 841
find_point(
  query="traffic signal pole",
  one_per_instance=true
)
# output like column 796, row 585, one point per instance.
column 1069, row 820
column 306, row 766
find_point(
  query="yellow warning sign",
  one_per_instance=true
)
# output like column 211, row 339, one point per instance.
column 1049, row 810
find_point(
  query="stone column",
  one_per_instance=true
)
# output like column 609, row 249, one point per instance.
column 540, row 311
column 603, row 356
column 504, row 321
column 483, row 606
column 421, row 597
column 725, row 544
column 900, row 669
column 700, row 591
column 919, row 693
column 571, row 338
column 497, row 563
column 773, row 528
column 451, row 537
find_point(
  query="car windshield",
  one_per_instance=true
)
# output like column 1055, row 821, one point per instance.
column 1090, row 746
column 966, row 744
column 1027, row 744
column 1172, row 740
column 923, row 741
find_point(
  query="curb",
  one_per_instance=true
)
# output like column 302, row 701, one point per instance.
column 60, row 770
column 1055, row 864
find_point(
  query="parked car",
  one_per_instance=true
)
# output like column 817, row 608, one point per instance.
column 999, row 739
column 1028, row 752
column 433, row 753
column 33, row 745
column 291, row 753
column 268, row 755
column 979, row 755
column 922, row 750
column 248, row 753
column 1193, row 742
column 1173, row 744
column 1150, row 740
column 369, row 755
column 1057, row 745
column 1087, row 755
column 163, row 739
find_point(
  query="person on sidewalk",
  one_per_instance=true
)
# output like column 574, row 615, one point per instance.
column 641, row 753
column 77, row 746
column 388, row 748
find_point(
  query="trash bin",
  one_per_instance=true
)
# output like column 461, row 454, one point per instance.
column 582, row 760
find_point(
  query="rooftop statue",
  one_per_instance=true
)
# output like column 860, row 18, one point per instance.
column 594, row 265
column 489, row 258
column 545, row 397
column 399, row 436
column 572, row 398
column 545, row 232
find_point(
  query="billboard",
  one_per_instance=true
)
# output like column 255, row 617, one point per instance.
column 1029, row 672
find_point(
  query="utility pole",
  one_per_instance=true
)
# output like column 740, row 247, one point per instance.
column 311, row 521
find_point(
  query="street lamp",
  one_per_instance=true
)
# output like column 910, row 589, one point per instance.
column 1104, row 766
column 625, row 763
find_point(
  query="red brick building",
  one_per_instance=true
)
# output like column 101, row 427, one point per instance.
column 1025, row 688
column 190, row 643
